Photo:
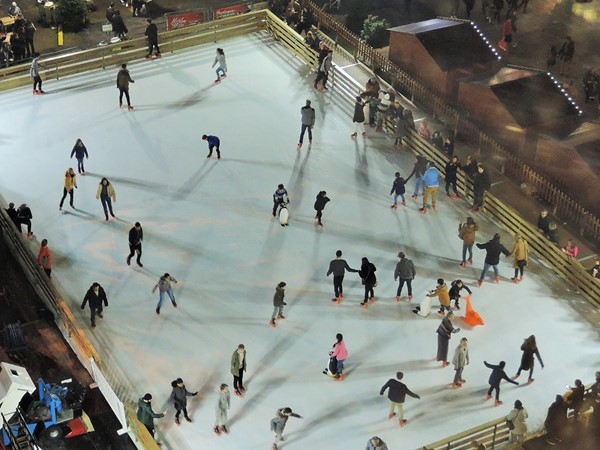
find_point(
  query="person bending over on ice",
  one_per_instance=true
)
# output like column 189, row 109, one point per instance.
column 280, row 197
column 279, row 422
column 498, row 374
column 455, row 288
column 213, row 143
column 164, row 285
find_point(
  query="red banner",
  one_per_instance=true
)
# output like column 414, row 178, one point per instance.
column 185, row 19
column 231, row 11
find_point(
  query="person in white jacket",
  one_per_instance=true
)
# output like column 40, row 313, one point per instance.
column 221, row 410
column 222, row 65
column 517, row 416
column 460, row 360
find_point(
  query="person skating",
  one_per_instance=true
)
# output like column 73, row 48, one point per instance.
column 405, row 270
column 520, row 252
column 136, row 236
column 34, row 73
column 529, row 349
column 493, row 249
column 96, row 297
column 278, row 304
column 280, row 197
column 338, row 267
column 221, row 409
column 221, row 64
column 375, row 443
column 69, row 186
column 498, row 374
column 307, row 115
column 24, row 217
column 431, row 181
column 466, row 232
column 279, row 422
column 358, row 118
column 238, row 367
column 44, row 258
column 213, row 143
column 340, row 353
column 152, row 34
column 451, row 177
column 164, row 285
column 455, row 287
column 106, row 193
column 319, row 206
column 397, row 394
column 444, row 332
column 460, row 360
column 123, row 80
column 441, row 292
column 369, row 280
column 481, row 183
column 179, row 395
column 146, row 414
column 517, row 416
column 80, row 152
column 398, row 190
column 418, row 171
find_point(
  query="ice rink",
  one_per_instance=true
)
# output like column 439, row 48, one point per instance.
column 208, row 223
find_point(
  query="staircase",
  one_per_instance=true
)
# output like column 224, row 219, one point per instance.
column 18, row 433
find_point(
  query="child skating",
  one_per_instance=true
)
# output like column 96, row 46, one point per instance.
column 222, row 65
column 221, row 409
column 455, row 288
column 398, row 190
column 278, row 304
column 441, row 292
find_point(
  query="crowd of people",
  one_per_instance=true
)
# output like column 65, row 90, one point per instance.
column 16, row 45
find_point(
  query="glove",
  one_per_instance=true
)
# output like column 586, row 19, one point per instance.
column 194, row 393
column 82, row 307
column 284, row 303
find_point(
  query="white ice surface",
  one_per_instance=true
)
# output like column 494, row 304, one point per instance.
column 209, row 224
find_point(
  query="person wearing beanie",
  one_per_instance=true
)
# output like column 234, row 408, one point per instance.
column 455, row 287
column 279, row 422
column 179, row 395
column 398, row 190
column 146, row 414
column 460, row 360
column 466, row 232
column 213, row 143
column 136, row 236
column 358, row 118
column 221, row 408
column 382, row 110
column 307, row 114
column 441, row 292
column 520, row 251
column 278, row 304
column 498, row 374
column 444, row 332
column 164, row 285
column 338, row 267
column 320, row 203
column 405, row 270
column 375, row 443
column 397, row 394
column 517, row 417
column 238, row 367
column 493, row 249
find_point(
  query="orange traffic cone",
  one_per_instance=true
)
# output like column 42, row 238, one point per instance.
column 472, row 318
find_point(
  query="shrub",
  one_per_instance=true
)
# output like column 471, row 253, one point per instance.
column 72, row 14
column 375, row 32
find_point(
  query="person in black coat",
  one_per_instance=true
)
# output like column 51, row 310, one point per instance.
column 444, row 332
column 96, row 297
column 358, row 117
column 451, row 176
column 481, row 183
column 556, row 420
column 320, row 203
column 24, row 217
column 152, row 35
column 529, row 348
column 110, row 12
column 80, row 152
column 369, row 280
column 398, row 190
column 575, row 400
column 12, row 213
column 418, row 171
column 543, row 222
column 119, row 28
column 338, row 267
column 454, row 292
column 493, row 249
column 136, row 236
column 397, row 394
column 498, row 374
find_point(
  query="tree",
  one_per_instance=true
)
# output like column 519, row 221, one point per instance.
column 72, row 14
column 375, row 31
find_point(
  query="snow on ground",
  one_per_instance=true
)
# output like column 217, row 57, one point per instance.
column 208, row 223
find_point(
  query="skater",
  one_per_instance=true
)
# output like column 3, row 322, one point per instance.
column 238, row 367
column 444, row 332
column 280, row 197
column 123, row 80
column 279, row 422
column 405, row 270
column 481, row 183
column 529, row 349
column 80, row 152
column 146, row 415
column 358, row 118
column 493, row 249
column 221, row 409
column 451, row 177
column 324, row 67
column 152, row 34
column 24, row 217
column 213, row 143
column 278, row 304
column 164, row 285
column 460, row 360
column 520, row 251
column 375, row 443
column 338, row 267
column 136, row 236
column 105, row 193
column 498, row 374
column 441, row 292
column 45, row 258
column 96, row 297
column 418, row 171
column 179, row 395
column 431, row 181
column 307, row 114
column 369, row 281
column 466, row 232
column 455, row 287
column 222, row 65
column 397, row 394
column 70, row 184
column 398, row 190
column 34, row 73
column 517, row 417
column 340, row 353
column 320, row 203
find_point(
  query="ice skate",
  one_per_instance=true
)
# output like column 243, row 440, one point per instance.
column 364, row 304
column 531, row 380
column 398, row 298
column 216, row 431
column 29, row 235
column 224, row 429
column 479, row 283
column 237, row 392
column 403, row 203
column 129, row 260
column 456, row 385
column 498, row 402
column 445, row 364
column 272, row 323
column 497, row 280
column 390, row 415
column 139, row 263
column 372, row 299
column 394, row 206
column 521, row 278
column 189, row 420
column 410, row 298
column 158, row 55
column 280, row 316
column 487, row 397
column 364, row 134
column 515, row 280
column 177, row 422
column 414, row 197
column 463, row 265
column 403, row 422
column 423, row 210
column 158, row 311
column 354, row 135
column 470, row 261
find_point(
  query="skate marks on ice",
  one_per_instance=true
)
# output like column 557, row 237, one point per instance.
column 361, row 164
column 194, row 181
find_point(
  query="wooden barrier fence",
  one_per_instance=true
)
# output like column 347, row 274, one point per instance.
column 493, row 434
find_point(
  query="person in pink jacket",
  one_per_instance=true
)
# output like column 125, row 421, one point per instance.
column 340, row 352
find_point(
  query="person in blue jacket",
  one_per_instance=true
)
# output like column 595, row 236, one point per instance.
column 213, row 143
column 498, row 374
column 431, row 180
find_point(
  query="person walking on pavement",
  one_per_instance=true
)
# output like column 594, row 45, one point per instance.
column 498, row 374
column 451, row 177
column 106, row 193
column 146, row 414
column 358, row 118
column 45, row 258
column 280, row 197
column 338, row 267
column 460, row 360
column 136, row 236
column 466, row 232
column 431, row 180
column 70, row 185
column 517, row 416
column 279, row 422
column 418, row 171
column 152, row 35
column 444, row 332
column 375, row 443
column 398, row 190
column 454, row 293
column 164, row 286
column 96, row 297
column 529, row 349
column 520, row 252
column 369, row 280
column 278, row 304
column 238, row 367
column 123, row 80
column 493, row 249
column 221, row 64
column 179, row 395
column 397, row 394
column 307, row 114
column 34, row 73
column 405, row 270
column 481, row 184
column 221, row 409
column 80, row 152
column 320, row 203
column 213, row 143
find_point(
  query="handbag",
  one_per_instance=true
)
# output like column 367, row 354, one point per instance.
column 510, row 424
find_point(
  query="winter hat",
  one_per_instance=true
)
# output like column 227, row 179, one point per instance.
column 401, row 255
column 307, row 102
column 496, row 237
column 147, row 397
column 281, row 284
column 179, row 381
column 440, row 281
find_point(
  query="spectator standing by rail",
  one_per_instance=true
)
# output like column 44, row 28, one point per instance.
column 152, row 35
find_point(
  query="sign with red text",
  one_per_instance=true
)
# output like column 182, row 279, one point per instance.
column 231, row 11
column 176, row 21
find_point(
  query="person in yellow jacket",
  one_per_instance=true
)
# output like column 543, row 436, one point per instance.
column 105, row 193
column 441, row 292
column 70, row 184
column 520, row 253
